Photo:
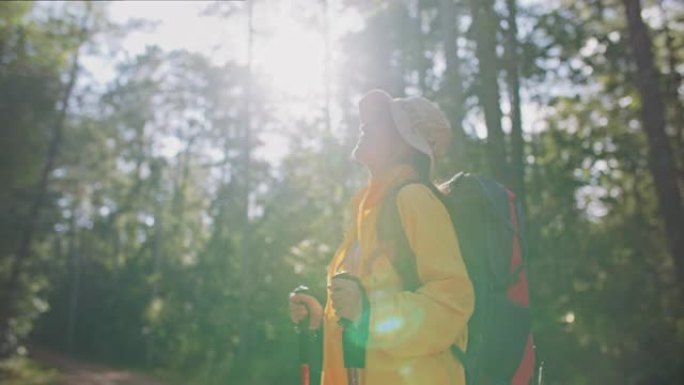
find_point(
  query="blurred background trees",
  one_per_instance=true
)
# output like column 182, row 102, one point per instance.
column 146, row 223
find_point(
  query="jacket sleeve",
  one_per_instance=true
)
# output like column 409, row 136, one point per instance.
column 430, row 319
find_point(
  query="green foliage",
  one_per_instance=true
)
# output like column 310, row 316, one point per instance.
column 35, row 52
column 23, row 371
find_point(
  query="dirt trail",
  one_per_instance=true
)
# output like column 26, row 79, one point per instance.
column 77, row 372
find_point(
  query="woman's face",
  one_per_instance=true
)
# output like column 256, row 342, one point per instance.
column 378, row 142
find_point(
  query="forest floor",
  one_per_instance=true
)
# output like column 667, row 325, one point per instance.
column 52, row 368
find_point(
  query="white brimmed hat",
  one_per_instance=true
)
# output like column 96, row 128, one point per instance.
column 422, row 125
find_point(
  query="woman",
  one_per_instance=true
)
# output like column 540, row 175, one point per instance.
column 409, row 333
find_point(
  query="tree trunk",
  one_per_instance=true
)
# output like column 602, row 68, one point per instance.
column 158, row 248
column 673, row 84
column 326, row 66
column 485, row 29
column 661, row 161
column 513, row 80
column 75, row 268
column 415, row 42
column 453, row 94
column 11, row 287
column 398, row 19
column 384, row 36
column 246, row 279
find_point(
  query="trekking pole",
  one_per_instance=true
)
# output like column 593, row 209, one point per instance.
column 302, row 330
column 354, row 355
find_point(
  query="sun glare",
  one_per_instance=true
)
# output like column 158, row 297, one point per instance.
column 288, row 51
column 289, row 56
column 292, row 59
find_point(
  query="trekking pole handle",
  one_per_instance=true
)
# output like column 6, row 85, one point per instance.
column 348, row 276
column 302, row 330
column 302, row 325
column 354, row 358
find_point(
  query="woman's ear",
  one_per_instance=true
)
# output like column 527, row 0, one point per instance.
column 404, row 152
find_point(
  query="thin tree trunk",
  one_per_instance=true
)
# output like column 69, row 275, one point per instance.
column 453, row 94
column 398, row 19
column 485, row 28
column 246, row 279
column 513, row 79
column 673, row 83
column 661, row 161
column 157, row 255
column 75, row 267
column 326, row 64
column 416, row 41
column 18, row 260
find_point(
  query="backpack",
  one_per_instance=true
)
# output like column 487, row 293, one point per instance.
column 489, row 226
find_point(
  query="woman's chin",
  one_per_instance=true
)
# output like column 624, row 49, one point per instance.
column 359, row 154
column 357, row 151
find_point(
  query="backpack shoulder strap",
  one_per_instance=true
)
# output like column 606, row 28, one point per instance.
column 389, row 228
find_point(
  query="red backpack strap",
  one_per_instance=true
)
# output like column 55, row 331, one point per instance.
column 518, row 290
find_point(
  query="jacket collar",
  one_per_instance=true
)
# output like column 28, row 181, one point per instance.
column 379, row 186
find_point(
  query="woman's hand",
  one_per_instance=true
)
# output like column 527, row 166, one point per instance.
column 346, row 299
column 303, row 305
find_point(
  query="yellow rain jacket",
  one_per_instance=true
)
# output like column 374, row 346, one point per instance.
column 410, row 333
